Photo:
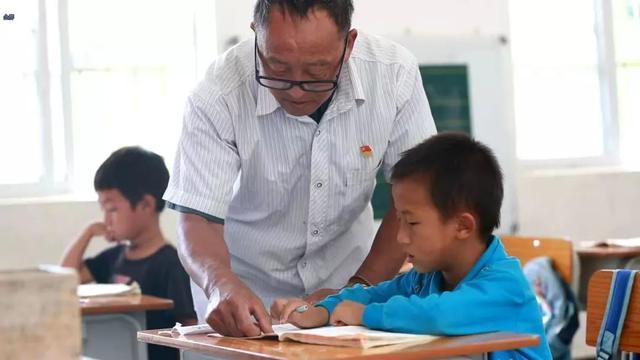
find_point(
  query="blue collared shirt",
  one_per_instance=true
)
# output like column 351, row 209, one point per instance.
column 493, row 296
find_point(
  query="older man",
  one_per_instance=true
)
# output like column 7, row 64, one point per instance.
column 303, row 116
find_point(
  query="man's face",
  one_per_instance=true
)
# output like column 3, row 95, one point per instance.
column 300, row 49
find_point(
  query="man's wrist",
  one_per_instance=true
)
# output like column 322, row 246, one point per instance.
column 358, row 279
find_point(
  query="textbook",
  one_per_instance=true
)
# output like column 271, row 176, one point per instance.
column 346, row 336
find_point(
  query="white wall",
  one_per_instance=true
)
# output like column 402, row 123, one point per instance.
column 580, row 205
column 36, row 232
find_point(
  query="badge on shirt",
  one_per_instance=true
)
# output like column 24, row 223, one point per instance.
column 366, row 151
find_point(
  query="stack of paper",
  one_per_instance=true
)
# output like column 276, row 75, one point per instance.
column 95, row 290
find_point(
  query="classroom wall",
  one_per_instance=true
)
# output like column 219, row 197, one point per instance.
column 453, row 18
column 36, row 232
column 580, row 204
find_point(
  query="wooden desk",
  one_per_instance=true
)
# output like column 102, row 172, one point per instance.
column 596, row 258
column 121, row 304
column 233, row 349
column 110, row 324
column 621, row 252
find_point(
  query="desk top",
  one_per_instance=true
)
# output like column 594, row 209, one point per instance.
column 119, row 304
column 234, row 348
column 609, row 251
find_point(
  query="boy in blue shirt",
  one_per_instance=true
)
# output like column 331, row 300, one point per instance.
column 447, row 192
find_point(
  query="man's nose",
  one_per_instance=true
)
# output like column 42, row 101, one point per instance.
column 296, row 92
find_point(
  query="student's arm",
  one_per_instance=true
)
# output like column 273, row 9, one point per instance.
column 284, row 310
column 205, row 257
column 74, row 255
column 488, row 303
column 400, row 285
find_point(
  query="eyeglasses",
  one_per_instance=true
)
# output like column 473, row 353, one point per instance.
column 307, row 85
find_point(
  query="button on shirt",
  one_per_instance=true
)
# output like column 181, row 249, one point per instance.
column 300, row 218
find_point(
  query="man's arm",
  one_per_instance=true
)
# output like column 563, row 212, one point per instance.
column 386, row 256
column 74, row 255
column 205, row 256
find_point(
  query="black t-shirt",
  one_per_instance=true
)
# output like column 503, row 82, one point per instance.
column 160, row 274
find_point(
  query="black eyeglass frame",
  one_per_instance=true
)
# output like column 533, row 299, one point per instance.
column 302, row 84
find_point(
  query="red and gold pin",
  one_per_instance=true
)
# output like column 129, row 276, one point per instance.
column 366, row 151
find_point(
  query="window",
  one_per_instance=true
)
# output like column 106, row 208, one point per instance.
column 90, row 76
column 626, row 30
column 561, row 92
column 22, row 78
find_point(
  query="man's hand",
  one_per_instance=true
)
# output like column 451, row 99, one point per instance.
column 299, row 313
column 320, row 295
column 347, row 313
column 233, row 307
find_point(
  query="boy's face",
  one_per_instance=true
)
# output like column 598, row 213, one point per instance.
column 122, row 221
column 428, row 240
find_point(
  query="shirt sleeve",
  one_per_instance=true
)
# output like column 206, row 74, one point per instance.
column 179, row 290
column 478, row 306
column 207, row 161
column 414, row 122
column 101, row 265
column 372, row 294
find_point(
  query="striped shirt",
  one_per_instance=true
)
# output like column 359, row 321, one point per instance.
column 299, row 218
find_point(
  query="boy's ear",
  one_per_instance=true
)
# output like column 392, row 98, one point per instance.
column 466, row 225
column 148, row 203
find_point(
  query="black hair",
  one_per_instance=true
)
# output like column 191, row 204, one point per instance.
column 339, row 10
column 135, row 172
column 460, row 173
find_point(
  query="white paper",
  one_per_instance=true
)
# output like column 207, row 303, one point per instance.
column 95, row 290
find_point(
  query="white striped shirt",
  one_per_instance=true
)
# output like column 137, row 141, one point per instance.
column 301, row 217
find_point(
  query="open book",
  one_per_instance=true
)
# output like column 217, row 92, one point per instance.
column 349, row 336
column 96, row 290
column 630, row 242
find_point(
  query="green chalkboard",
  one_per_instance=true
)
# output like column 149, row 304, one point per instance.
column 447, row 89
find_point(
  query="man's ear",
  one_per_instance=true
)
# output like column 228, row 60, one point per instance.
column 466, row 225
column 351, row 41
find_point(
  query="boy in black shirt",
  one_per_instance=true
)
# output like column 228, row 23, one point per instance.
column 130, row 184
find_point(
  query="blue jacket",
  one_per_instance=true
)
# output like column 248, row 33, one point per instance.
column 493, row 296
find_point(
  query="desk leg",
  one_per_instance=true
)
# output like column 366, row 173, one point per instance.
column 114, row 336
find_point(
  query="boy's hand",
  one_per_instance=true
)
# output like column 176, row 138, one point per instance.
column 347, row 313
column 97, row 229
column 299, row 313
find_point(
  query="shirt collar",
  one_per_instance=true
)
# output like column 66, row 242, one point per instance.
column 348, row 93
column 495, row 251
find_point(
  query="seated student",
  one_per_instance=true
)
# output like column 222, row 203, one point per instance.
column 130, row 184
column 447, row 192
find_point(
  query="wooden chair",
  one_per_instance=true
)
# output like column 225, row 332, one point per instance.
column 597, row 295
column 526, row 248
